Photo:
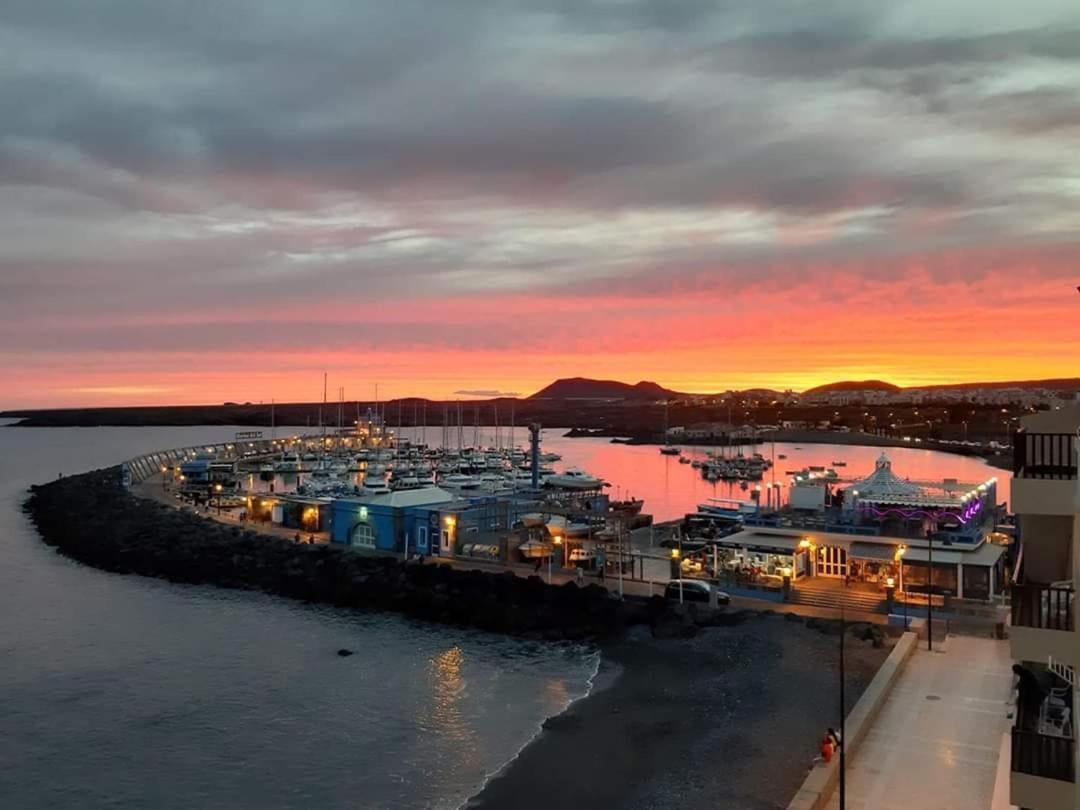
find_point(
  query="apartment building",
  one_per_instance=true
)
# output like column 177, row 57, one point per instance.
column 1043, row 637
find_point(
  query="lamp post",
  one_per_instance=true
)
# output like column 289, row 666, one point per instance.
column 675, row 568
column 930, row 591
column 557, row 540
column 843, row 713
column 217, row 496
column 901, row 550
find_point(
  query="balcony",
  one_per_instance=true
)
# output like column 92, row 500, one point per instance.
column 1047, row 607
column 1043, row 755
column 1044, row 456
column 1043, row 771
column 1043, row 624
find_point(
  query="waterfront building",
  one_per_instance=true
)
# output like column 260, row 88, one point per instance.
column 291, row 511
column 880, row 530
column 1043, row 636
column 426, row 520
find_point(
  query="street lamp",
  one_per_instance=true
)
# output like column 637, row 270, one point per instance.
column 675, row 554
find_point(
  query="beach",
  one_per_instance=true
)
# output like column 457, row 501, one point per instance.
column 730, row 718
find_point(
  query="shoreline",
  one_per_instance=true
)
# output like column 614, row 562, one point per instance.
column 603, row 677
column 705, row 722
column 1000, row 461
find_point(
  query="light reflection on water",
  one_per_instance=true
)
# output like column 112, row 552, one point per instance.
column 126, row 692
column 671, row 489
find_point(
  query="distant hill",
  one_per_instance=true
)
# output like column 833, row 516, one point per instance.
column 855, row 385
column 1058, row 384
column 583, row 388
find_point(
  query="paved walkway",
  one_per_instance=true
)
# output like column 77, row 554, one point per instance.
column 935, row 743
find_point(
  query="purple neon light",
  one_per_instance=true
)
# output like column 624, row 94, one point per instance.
column 934, row 514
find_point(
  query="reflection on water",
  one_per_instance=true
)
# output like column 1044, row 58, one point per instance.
column 671, row 489
column 126, row 692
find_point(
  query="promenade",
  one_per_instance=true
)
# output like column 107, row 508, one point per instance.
column 935, row 743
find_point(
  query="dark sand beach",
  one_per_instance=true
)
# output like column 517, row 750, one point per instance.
column 729, row 719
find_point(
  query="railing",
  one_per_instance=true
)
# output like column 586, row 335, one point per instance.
column 1043, row 755
column 1045, row 607
column 1044, row 455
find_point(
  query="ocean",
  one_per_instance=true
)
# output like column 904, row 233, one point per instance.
column 126, row 692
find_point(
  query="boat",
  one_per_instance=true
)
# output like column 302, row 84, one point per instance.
column 574, row 478
column 534, row 549
column 668, row 449
column 782, row 455
column 459, row 481
column 684, row 460
column 730, row 508
column 532, row 520
column 839, row 463
column 578, row 530
column 631, row 506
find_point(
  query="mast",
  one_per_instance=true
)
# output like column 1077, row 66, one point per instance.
column 273, row 429
column 322, row 424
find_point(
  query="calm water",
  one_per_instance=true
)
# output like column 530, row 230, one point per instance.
column 671, row 489
column 125, row 692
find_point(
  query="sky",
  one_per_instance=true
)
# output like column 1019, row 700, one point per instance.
column 210, row 201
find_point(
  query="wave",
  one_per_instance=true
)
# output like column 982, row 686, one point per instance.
column 590, row 683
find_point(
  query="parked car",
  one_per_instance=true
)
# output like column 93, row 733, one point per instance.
column 694, row 590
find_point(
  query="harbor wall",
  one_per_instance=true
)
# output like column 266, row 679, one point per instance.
column 92, row 518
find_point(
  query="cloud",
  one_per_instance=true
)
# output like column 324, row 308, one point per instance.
column 487, row 393
column 446, row 178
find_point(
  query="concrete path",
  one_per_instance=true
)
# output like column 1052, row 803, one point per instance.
column 935, row 744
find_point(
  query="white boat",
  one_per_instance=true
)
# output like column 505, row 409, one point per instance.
column 574, row 479
column 459, row 481
column 288, row 463
column 379, row 488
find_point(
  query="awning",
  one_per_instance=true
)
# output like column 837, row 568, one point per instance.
column 986, row 554
column 872, row 551
column 762, row 543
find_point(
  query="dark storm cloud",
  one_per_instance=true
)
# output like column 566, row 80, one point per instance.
column 371, row 148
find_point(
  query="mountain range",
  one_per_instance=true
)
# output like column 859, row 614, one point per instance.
column 585, row 388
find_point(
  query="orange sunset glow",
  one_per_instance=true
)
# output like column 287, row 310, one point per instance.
column 725, row 202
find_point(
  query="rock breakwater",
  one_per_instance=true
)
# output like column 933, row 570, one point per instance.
column 93, row 519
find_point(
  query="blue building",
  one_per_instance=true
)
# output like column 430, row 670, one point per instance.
column 429, row 520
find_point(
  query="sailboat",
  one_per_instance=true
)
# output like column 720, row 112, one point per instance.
column 668, row 449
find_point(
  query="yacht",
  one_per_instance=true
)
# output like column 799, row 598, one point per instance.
column 288, row 463
column 574, row 478
column 459, row 481
column 670, row 450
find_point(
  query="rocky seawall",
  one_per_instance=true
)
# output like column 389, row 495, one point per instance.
column 93, row 519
